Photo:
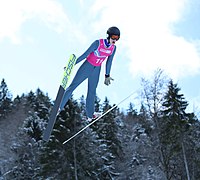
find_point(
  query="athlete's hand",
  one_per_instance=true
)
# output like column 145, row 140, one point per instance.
column 108, row 80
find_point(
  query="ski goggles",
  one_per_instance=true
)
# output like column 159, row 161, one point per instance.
column 114, row 37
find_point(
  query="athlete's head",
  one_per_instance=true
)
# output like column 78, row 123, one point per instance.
column 113, row 34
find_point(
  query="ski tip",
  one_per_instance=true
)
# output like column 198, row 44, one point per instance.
column 74, row 56
column 45, row 139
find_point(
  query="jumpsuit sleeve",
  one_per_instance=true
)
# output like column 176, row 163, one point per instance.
column 92, row 48
column 109, row 62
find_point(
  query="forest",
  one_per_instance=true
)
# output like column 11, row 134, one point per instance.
column 159, row 140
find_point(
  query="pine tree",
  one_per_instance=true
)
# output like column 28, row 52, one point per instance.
column 174, row 126
column 192, row 147
column 145, row 120
column 26, row 165
column 40, row 105
column 54, row 157
column 77, row 158
column 5, row 99
column 107, row 131
column 29, row 143
column 97, row 105
column 131, row 111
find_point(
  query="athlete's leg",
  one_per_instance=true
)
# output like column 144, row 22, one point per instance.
column 82, row 74
column 93, row 80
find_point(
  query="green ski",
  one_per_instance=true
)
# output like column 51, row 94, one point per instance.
column 66, row 76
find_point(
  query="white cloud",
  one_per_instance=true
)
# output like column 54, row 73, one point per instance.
column 147, row 38
column 147, row 35
column 14, row 13
column 173, row 54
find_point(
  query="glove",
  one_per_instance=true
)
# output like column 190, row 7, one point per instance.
column 108, row 80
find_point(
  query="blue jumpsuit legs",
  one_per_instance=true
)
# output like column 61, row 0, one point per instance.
column 91, row 72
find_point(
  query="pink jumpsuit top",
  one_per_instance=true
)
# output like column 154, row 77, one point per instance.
column 100, row 54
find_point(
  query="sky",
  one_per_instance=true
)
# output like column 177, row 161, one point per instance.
column 38, row 36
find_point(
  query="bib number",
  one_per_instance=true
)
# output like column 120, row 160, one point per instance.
column 99, row 61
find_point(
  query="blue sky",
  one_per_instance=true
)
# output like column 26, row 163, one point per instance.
column 37, row 37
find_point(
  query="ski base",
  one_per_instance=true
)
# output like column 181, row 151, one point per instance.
column 98, row 118
column 53, row 115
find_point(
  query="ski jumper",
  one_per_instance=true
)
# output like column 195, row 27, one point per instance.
column 90, row 69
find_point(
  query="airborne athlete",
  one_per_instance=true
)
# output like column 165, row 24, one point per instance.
column 91, row 67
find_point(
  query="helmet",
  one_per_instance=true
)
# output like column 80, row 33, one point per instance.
column 113, row 31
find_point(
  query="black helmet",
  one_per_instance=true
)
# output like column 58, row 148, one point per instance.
column 113, row 31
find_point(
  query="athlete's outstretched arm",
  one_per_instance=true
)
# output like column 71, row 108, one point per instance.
column 109, row 62
column 92, row 48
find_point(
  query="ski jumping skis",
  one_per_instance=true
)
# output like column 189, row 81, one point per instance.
column 95, row 120
column 66, row 76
